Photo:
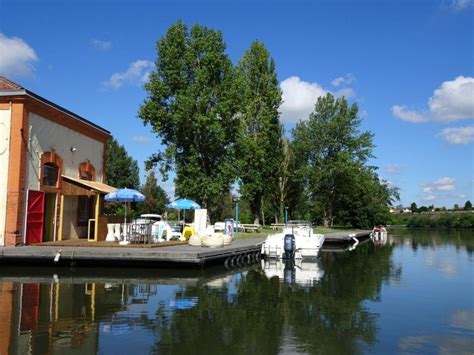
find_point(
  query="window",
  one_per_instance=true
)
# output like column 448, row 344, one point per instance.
column 51, row 170
column 50, row 175
column 87, row 171
column 86, row 176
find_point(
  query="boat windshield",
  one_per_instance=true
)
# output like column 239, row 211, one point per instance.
column 298, row 223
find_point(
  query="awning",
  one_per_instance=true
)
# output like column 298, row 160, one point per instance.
column 80, row 187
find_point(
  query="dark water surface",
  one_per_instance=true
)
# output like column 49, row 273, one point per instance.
column 413, row 295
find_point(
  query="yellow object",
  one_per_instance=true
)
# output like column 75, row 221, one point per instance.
column 188, row 231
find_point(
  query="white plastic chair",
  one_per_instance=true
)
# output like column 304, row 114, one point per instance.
column 117, row 234
column 110, row 233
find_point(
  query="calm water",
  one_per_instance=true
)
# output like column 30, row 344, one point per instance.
column 413, row 295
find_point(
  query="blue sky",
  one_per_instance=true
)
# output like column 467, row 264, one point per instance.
column 408, row 64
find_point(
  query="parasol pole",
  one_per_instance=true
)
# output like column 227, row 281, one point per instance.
column 126, row 231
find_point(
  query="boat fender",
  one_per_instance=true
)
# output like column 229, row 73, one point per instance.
column 57, row 256
column 248, row 259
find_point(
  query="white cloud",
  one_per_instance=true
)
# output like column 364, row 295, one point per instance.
column 137, row 73
column 433, row 189
column 452, row 101
column 460, row 135
column 101, row 45
column 343, row 80
column 461, row 4
column 392, row 168
column 427, row 198
column 346, row 92
column 405, row 114
column 445, row 184
column 299, row 98
column 141, row 139
column 17, row 57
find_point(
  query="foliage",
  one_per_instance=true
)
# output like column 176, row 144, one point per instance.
column 259, row 140
column 156, row 197
column 333, row 154
column 414, row 207
column 442, row 220
column 468, row 205
column 191, row 106
column 121, row 171
column 365, row 202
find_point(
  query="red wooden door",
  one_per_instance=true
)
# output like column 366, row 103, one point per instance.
column 35, row 217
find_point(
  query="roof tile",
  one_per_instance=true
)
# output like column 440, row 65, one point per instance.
column 6, row 84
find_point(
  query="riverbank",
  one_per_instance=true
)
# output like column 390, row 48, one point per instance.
column 445, row 220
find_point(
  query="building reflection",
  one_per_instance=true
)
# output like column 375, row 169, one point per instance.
column 39, row 318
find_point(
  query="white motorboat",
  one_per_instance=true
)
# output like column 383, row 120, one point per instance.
column 306, row 243
column 379, row 235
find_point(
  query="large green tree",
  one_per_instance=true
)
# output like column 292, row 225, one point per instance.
column 191, row 106
column 156, row 197
column 259, row 142
column 122, row 170
column 333, row 153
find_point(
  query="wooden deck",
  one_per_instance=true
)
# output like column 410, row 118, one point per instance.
column 167, row 256
column 170, row 254
column 346, row 236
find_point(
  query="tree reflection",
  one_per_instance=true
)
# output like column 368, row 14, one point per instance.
column 264, row 314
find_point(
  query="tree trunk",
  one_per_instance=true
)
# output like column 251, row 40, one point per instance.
column 256, row 208
column 328, row 218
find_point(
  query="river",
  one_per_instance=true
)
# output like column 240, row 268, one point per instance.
column 415, row 294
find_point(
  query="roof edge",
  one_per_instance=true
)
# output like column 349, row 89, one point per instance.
column 20, row 91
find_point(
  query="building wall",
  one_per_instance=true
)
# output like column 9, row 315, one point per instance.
column 47, row 136
column 5, row 123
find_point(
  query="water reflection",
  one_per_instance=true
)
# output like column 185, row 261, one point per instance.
column 304, row 273
column 321, row 307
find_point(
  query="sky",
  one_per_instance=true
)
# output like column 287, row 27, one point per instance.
column 409, row 65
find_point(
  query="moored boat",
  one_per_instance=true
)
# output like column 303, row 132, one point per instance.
column 379, row 235
column 297, row 240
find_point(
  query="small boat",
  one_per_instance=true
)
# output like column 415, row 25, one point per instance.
column 305, row 243
column 379, row 235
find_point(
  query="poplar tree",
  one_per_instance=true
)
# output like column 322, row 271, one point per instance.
column 191, row 107
column 259, row 142
column 333, row 153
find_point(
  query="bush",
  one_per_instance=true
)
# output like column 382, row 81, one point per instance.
column 441, row 220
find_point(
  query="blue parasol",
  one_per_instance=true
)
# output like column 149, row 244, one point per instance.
column 124, row 195
column 183, row 204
